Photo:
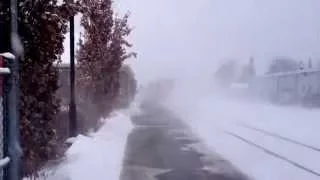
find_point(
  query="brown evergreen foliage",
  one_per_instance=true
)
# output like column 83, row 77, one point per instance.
column 42, row 31
column 101, row 55
column 42, row 25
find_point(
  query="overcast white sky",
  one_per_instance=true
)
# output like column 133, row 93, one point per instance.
column 199, row 33
column 180, row 35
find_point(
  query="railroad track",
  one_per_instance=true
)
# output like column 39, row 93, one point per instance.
column 272, row 153
column 274, row 135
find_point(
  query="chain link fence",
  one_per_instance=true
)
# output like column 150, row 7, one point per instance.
column 1, row 127
column 1, row 114
column 10, row 150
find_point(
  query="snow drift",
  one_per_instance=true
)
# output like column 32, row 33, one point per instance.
column 98, row 155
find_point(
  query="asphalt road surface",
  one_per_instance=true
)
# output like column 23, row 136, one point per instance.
column 162, row 147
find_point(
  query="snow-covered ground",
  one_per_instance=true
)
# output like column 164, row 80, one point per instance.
column 213, row 117
column 98, row 156
column 286, row 149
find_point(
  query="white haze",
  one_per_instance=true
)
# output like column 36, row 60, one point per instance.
column 174, row 37
column 187, row 40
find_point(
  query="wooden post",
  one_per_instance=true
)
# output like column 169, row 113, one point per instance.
column 73, row 126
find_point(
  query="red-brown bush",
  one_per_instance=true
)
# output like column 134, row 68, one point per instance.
column 100, row 56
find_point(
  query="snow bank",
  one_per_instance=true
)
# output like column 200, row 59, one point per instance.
column 98, row 156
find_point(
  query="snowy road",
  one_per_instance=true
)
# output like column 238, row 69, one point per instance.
column 264, row 141
column 161, row 147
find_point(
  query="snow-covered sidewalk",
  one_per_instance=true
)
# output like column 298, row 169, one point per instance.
column 97, row 156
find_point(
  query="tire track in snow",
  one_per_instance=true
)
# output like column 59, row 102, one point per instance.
column 277, row 136
column 273, row 153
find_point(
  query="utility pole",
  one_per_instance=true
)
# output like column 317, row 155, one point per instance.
column 72, row 107
column 14, row 169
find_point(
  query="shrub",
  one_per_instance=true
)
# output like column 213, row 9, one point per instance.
column 42, row 25
column 100, row 57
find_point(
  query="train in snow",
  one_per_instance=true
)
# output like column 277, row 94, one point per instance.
column 301, row 86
